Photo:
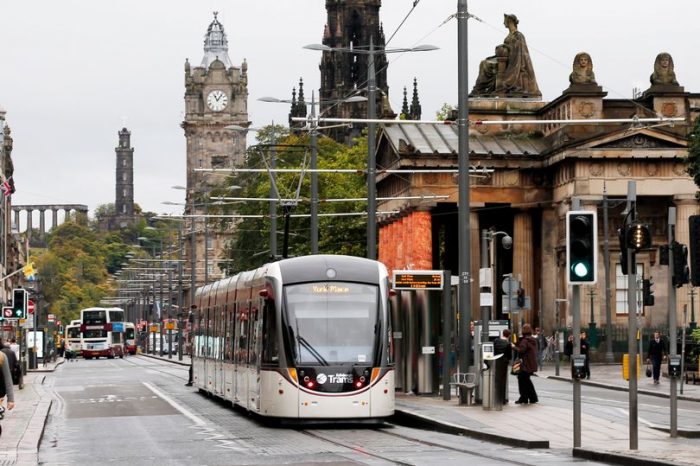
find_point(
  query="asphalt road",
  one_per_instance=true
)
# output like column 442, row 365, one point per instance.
column 137, row 411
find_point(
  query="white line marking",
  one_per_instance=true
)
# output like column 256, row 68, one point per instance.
column 175, row 405
column 642, row 420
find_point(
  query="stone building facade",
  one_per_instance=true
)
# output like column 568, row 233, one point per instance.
column 216, row 96
column 532, row 171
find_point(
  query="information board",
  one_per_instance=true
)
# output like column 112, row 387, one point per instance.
column 418, row 279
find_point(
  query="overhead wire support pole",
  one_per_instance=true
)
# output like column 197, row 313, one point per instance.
column 464, row 227
column 576, row 330
column 371, row 155
column 314, row 175
column 631, row 216
column 672, row 324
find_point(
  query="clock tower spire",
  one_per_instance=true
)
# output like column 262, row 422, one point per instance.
column 216, row 96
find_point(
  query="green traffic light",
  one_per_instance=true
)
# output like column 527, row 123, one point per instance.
column 580, row 269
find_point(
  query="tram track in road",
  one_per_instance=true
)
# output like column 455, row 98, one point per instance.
column 154, row 367
column 360, row 445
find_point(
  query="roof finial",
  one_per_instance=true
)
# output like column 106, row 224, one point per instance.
column 215, row 15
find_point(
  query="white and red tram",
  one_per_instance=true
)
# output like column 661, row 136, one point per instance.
column 301, row 338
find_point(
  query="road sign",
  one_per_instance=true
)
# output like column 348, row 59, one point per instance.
column 514, row 304
column 170, row 325
column 52, row 317
column 30, row 306
column 8, row 313
column 510, row 285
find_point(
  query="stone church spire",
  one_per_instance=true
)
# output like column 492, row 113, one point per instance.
column 350, row 24
column 215, row 44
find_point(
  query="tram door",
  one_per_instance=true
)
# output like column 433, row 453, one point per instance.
column 220, row 323
column 241, row 353
column 254, row 343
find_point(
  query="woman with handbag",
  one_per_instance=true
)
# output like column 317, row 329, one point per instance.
column 527, row 351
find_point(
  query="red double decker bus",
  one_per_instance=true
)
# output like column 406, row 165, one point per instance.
column 103, row 332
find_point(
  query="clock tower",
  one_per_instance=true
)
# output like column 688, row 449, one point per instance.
column 216, row 96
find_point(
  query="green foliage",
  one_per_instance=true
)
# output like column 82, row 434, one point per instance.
column 249, row 247
column 445, row 112
column 693, row 158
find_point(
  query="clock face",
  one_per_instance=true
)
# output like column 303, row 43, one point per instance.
column 217, row 100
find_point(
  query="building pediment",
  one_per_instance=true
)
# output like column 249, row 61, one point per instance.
column 637, row 139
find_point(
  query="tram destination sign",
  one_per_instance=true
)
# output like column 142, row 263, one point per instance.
column 418, row 279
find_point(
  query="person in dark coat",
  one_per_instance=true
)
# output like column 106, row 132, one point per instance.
column 502, row 346
column 586, row 351
column 527, row 350
column 657, row 351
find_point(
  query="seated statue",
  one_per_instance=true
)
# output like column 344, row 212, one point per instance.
column 509, row 72
column 582, row 70
column 663, row 70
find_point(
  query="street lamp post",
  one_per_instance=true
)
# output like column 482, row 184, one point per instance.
column 273, row 187
column 371, row 128
column 313, row 135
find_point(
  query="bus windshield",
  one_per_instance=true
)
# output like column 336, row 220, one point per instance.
column 73, row 332
column 95, row 317
column 332, row 322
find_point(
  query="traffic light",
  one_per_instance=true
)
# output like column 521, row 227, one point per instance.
column 681, row 273
column 520, row 299
column 623, row 252
column 694, row 221
column 19, row 303
column 647, row 292
column 638, row 236
column 581, row 246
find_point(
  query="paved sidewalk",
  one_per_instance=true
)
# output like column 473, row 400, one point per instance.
column 543, row 426
column 23, row 427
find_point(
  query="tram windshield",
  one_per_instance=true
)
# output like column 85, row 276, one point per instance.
column 332, row 322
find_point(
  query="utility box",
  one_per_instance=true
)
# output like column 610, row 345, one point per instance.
column 578, row 367
column 626, row 366
column 491, row 394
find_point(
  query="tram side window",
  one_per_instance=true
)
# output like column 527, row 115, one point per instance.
column 243, row 337
column 210, row 330
column 270, row 337
column 253, row 347
column 199, row 334
column 232, row 342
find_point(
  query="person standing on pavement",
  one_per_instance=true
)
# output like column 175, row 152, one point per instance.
column 586, row 351
column 13, row 363
column 527, row 351
column 657, row 351
column 541, row 346
column 502, row 346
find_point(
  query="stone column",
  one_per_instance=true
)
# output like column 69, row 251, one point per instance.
column 29, row 220
column 551, row 288
column 685, row 207
column 42, row 223
column 54, row 217
column 522, row 256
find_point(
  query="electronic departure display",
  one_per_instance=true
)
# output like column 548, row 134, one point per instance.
column 418, row 279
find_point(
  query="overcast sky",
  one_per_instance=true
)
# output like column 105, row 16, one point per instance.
column 75, row 71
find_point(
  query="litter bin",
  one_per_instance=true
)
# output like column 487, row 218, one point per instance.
column 491, row 394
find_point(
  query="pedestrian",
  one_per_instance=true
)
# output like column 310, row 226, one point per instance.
column 586, row 351
column 5, row 385
column 14, row 347
column 13, row 363
column 527, row 351
column 569, row 346
column 656, row 352
column 541, row 346
column 502, row 346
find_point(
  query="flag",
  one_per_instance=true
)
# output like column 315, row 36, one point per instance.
column 29, row 271
column 6, row 187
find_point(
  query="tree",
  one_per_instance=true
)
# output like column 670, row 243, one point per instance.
column 445, row 112
column 693, row 158
column 249, row 247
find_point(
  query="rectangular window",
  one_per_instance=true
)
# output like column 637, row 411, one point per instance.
column 210, row 243
column 621, row 290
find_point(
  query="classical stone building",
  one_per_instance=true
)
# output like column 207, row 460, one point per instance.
column 216, row 96
column 533, row 173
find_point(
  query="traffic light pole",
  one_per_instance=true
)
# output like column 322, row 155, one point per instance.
column 576, row 317
column 672, row 330
column 631, row 214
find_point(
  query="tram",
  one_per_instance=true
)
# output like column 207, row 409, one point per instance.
column 306, row 338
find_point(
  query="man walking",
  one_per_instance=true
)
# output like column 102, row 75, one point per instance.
column 657, row 351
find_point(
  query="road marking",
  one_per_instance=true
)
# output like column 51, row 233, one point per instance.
column 642, row 420
column 175, row 405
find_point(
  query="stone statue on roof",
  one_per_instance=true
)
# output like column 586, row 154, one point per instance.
column 582, row 72
column 509, row 73
column 663, row 70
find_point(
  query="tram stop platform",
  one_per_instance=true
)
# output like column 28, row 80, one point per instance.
column 549, row 423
